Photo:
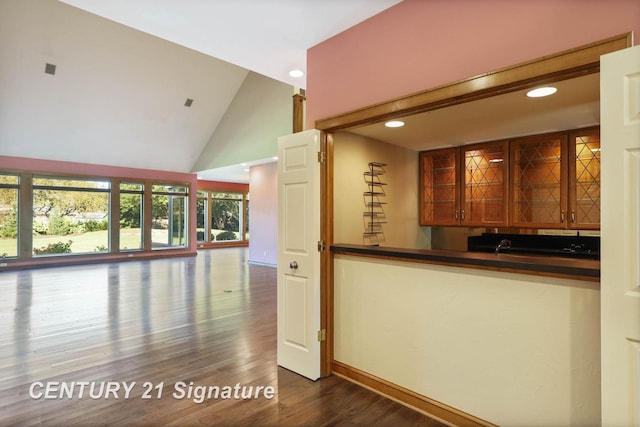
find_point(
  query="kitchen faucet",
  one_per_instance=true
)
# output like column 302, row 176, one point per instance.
column 504, row 244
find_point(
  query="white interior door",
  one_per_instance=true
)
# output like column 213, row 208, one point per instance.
column 620, row 246
column 298, row 256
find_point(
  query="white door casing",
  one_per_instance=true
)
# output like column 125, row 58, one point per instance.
column 298, row 256
column 620, row 241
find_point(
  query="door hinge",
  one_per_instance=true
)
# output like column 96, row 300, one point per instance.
column 322, row 335
column 322, row 156
column 321, row 246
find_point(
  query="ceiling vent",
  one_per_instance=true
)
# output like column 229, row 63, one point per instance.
column 50, row 69
column 188, row 102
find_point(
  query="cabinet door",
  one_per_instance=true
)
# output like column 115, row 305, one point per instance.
column 439, row 187
column 538, row 181
column 484, row 181
column 584, row 179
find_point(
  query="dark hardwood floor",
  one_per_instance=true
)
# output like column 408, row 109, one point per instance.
column 210, row 320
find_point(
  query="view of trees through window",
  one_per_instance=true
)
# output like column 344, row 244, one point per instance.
column 131, row 232
column 70, row 216
column 169, row 212
column 73, row 215
column 9, row 215
column 222, row 217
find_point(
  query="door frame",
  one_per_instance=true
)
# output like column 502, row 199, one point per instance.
column 576, row 62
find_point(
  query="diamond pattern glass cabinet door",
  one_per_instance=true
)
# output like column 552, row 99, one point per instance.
column 439, row 187
column 538, row 195
column 585, row 200
column 483, row 201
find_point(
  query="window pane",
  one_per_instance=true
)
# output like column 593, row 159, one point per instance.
column 9, row 179
column 201, row 219
column 169, row 226
column 130, row 222
column 167, row 188
column 8, row 222
column 236, row 196
column 131, row 186
column 202, row 194
column 70, row 221
column 226, row 220
column 76, row 183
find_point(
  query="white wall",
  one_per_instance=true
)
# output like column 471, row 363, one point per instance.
column 352, row 155
column 263, row 214
column 261, row 111
column 516, row 350
column 117, row 97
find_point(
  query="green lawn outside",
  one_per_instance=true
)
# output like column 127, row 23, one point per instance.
column 82, row 243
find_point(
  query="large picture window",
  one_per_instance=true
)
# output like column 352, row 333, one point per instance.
column 169, row 213
column 47, row 216
column 70, row 216
column 9, row 189
column 227, row 217
column 222, row 217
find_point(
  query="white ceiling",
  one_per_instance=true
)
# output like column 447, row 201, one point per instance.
column 576, row 104
column 269, row 37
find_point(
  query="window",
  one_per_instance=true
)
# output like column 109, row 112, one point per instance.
column 169, row 216
column 131, row 218
column 70, row 216
column 227, row 219
column 9, row 187
column 202, row 215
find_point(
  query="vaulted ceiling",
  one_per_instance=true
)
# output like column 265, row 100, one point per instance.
column 124, row 71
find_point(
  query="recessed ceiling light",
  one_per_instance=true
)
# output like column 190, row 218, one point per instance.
column 275, row 157
column 394, row 124
column 296, row 73
column 541, row 91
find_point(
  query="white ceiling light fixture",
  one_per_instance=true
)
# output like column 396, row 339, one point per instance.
column 296, row 74
column 394, row 124
column 541, row 91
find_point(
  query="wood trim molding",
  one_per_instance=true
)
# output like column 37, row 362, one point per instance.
column 568, row 64
column 298, row 112
column 408, row 398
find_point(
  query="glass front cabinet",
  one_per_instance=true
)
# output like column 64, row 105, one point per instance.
column 540, row 181
column 464, row 186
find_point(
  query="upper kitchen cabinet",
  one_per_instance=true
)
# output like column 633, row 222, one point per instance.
column 584, row 179
column 439, row 187
column 464, row 185
column 538, row 181
column 485, row 184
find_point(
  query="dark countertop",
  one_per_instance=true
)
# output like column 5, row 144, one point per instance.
column 581, row 269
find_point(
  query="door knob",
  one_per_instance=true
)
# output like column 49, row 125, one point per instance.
column 293, row 265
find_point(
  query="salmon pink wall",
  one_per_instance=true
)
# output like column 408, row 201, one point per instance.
column 231, row 187
column 421, row 44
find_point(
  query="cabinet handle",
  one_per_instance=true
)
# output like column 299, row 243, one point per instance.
column 573, row 215
column 462, row 216
column 456, row 215
column 562, row 217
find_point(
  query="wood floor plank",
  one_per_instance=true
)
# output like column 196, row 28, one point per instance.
column 204, row 321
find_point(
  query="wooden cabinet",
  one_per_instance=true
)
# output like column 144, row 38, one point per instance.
column 440, row 187
column 540, row 181
column 484, row 184
column 584, row 179
column 464, row 186
column 555, row 180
